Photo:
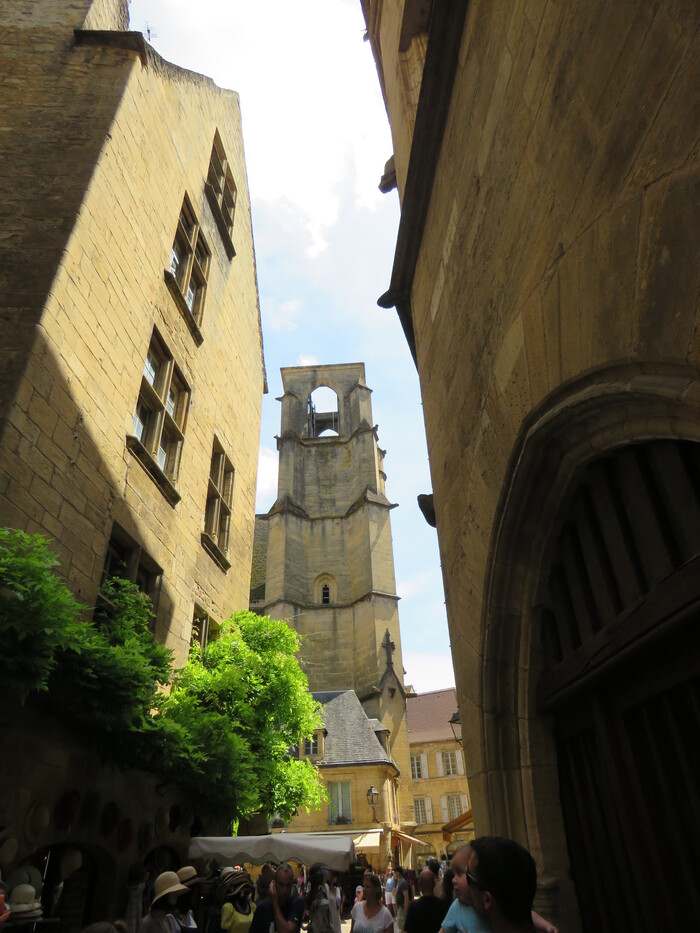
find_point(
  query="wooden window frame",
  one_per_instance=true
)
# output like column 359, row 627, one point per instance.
column 448, row 759
column 222, row 194
column 336, row 787
column 416, row 768
column 205, row 629
column 219, row 506
column 157, row 418
column 191, row 267
column 418, row 804
column 126, row 558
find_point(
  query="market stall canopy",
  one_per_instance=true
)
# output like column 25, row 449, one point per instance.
column 369, row 841
column 338, row 852
column 463, row 821
column 411, row 840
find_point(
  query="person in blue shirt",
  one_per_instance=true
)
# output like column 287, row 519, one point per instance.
column 462, row 917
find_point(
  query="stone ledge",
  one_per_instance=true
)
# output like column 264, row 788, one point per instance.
column 154, row 471
column 220, row 220
column 181, row 303
column 215, row 552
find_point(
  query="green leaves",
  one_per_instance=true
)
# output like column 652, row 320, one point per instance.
column 223, row 733
column 39, row 616
column 247, row 686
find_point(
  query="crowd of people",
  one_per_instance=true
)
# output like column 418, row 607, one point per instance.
column 488, row 887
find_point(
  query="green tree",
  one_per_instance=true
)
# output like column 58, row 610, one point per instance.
column 39, row 615
column 244, row 702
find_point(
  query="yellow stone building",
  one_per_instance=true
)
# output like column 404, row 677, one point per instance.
column 324, row 562
column 131, row 368
column 439, row 783
column 546, row 275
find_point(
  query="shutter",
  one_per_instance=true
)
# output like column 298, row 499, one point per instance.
column 347, row 810
column 428, row 810
column 333, row 801
column 465, row 803
column 438, row 762
column 424, row 766
column 460, row 761
column 443, row 804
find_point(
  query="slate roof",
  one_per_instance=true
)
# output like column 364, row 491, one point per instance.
column 350, row 737
column 428, row 715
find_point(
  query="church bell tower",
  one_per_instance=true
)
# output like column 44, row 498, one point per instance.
column 330, row 562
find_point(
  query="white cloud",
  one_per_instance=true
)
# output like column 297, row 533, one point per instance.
column 267, row 479
column 427, row 671
column 282, row 316
column 308, row 360
column 423, row 582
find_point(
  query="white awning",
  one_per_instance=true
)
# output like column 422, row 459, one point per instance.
column 338, row 852
column 369, row 842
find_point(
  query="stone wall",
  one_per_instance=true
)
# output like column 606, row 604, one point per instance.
column 94, row 193
column 558, row 269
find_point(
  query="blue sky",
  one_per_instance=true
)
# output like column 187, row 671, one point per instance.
column 316, row 138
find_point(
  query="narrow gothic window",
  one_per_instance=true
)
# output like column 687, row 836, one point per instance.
column 325, row 594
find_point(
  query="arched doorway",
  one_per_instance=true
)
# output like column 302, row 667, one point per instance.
column 621, row 637
column 589, row 684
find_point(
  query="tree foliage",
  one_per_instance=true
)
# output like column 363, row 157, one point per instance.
column 247, row 685
column 224, row 731
column 39, row 616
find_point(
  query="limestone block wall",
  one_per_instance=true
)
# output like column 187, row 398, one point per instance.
column 559, row 260
column 142, row 134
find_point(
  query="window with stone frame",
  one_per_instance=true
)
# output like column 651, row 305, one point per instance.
column 416, row 767
column 454, row 806
column 217, row 514
column 423, row 810
column 160, row 417
column 125, row 558
column 204, row 628
column 449, row 763
column 221, row 193
column 339, row 808
column 188, row 269
column 311, row 746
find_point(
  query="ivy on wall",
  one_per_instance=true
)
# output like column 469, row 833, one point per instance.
column 222, row 733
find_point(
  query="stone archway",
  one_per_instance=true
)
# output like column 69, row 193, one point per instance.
column 609, row 411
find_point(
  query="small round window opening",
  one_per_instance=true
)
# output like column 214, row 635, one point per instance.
column 325, row 594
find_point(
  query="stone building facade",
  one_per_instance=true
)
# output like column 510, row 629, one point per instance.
column 324, row 556
column 131, row 367
column 546, row 275
column 438, row 775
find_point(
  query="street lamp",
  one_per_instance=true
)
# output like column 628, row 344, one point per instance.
column 455, row 723
column 372, row 798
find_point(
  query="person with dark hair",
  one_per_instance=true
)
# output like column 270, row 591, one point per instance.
column 317, row 901
column 426, row 914
column 403, row 895
column 463, row 915
column 369, row 915
column 502, row 877
column 280, row 910
column 434, row 866
column 448, row 891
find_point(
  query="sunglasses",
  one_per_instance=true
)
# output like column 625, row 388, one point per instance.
column 473, row 882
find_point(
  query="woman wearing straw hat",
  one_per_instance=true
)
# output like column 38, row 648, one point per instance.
column 160, row 918
column 236, row 902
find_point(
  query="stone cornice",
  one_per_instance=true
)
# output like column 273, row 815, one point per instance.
column 370, row 594
column 441, row 63
column 369, row 496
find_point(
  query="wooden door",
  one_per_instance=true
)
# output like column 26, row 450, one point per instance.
column 621, row 630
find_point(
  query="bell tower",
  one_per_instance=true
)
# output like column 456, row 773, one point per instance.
column 330, row 561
